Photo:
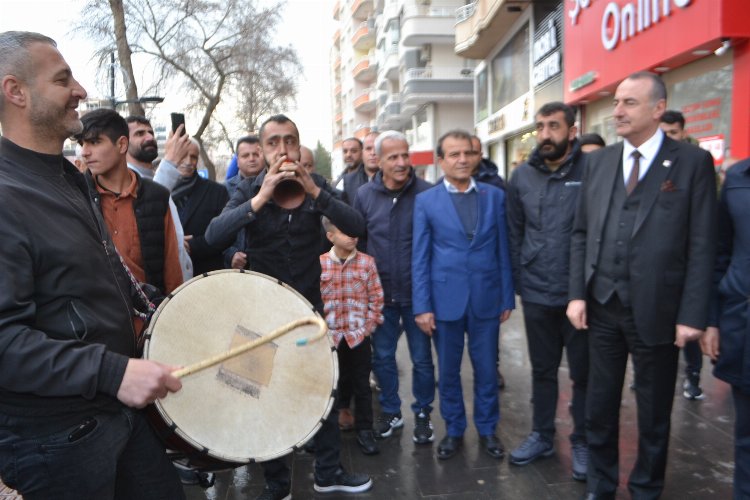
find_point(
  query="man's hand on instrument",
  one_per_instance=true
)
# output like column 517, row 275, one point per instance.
column 684, row 334
column 303, row 176
column 274, row 175
column 426, row 322
column 146, row 381
column 577, row 314
column 239, row 260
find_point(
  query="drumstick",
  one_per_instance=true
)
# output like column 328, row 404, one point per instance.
column 232, row 353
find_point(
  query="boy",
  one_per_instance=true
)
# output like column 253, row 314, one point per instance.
column 353, row 298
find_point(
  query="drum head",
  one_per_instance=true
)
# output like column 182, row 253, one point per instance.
column 261, row 404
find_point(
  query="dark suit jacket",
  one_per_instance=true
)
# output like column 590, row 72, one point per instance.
column 449, row 270
column 206, row 201
column 672, row 246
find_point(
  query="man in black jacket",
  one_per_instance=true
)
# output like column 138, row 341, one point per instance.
column 69, row 382
column 198, row 200
column 284, row 243
column 542, row 199
column 366, row 170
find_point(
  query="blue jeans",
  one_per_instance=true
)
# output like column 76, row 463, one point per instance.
column 384, row 342
column 107, row 455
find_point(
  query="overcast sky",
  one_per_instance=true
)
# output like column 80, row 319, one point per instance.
column 307, row 25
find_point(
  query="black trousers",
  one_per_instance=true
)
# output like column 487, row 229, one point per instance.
column 612, row 334
column 548, row 331
column 355, row 365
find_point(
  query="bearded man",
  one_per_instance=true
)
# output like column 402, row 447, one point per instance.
column 542, row 196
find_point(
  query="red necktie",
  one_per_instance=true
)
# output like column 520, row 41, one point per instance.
column 634, row 173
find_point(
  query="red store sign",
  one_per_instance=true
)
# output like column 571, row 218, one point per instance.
column 606, row 40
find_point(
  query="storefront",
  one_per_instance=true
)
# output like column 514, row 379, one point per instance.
column 700, row 47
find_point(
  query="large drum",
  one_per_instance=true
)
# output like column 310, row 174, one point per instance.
column 258, row 406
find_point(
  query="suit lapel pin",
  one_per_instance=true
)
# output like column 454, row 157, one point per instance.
column 666, row 163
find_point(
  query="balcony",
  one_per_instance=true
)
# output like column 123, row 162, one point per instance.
column 362, row 9
column 337, row 38
column 336, row 10
column 364, row 70
column 390, row 113
column 423, row 24
column 481, row 25
column 337, row 90
column 362, row 132
column 338, row 117
column 389, row 65
column 422, row 85
column 364, row 38
column 337, row 63
column 365, row 101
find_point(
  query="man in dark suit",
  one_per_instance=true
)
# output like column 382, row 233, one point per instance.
column 642, row 252
column 198, row 200
column 462, row 286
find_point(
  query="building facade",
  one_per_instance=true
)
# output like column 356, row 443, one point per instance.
column 394, row 67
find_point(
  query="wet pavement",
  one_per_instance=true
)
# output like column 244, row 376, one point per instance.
column 700, row 460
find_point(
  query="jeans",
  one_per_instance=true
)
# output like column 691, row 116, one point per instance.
column 107, row 455
column 384, row 342
column 354, row 368
column 548, row 330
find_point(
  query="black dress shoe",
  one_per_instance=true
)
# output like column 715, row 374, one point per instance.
column 366, row 442
column 492, row 446
column 448, row 447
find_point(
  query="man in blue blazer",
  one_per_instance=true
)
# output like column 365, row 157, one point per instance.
column 462, row 284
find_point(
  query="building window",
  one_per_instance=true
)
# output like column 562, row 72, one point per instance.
column 482, row 93
column 510, row 70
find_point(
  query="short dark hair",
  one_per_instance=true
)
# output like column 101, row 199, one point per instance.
column 591, row 138
column 105, row 122
column 248, row 139
column 14, row 54
column 138, row 119
column 672, row 116
column 555, row 107
column 658, row 88
column 456, row 134
column 281, row 119
column 353, row 139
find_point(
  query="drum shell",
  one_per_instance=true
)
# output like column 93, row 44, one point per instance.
column 260, row 406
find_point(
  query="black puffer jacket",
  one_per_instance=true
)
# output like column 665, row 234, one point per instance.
column 541, row 206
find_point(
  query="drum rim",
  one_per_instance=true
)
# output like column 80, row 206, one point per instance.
column 202, row 449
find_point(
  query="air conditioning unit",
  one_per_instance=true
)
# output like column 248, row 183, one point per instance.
column 425, row 53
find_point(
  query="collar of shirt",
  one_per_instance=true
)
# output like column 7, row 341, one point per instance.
column 131, row 190
column 648, row 151
column 332, row 254
column 453, row 189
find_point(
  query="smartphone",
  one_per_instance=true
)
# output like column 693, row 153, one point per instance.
column 177, row 120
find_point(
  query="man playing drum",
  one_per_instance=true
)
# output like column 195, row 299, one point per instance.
column 284, row 243
column 69, row 387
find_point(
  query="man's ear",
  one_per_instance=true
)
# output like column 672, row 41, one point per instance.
column 572, row 132
column 14, row 91
column 122, row 144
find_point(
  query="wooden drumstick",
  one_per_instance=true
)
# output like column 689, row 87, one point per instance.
column 232, row 353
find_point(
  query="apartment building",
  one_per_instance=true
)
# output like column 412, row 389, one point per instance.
column 394, row 67
column 518, row 48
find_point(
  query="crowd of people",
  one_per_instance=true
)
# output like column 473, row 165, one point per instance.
column 613, row 251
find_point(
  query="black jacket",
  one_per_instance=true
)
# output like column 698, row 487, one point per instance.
column 541, row 206
column 65, row 314
column 205, row 201
column 389, row 233
column 353, row 181
column 283, row 243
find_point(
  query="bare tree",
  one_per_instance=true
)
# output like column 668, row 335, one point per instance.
column 218, row 51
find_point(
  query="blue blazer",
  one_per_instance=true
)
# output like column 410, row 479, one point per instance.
column 450, row 272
